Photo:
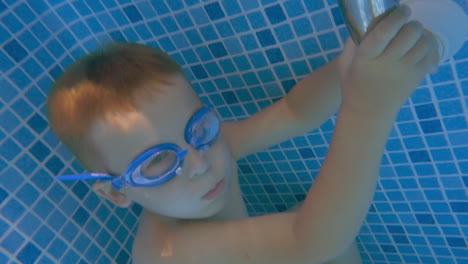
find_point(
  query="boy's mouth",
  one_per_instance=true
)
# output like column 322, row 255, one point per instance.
column 215, row 191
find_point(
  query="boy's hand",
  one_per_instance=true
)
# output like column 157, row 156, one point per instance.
column 388, row 65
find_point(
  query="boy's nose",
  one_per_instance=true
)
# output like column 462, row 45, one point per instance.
column 199, row 163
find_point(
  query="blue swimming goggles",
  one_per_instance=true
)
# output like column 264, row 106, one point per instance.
column 163, row 162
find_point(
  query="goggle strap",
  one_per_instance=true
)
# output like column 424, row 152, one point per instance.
column 83, row 177
column 118, row 183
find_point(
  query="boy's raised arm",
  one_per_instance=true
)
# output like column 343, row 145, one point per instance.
column 338, row 201
column 389, row 64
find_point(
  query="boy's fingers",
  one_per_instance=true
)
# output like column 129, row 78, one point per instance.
column 378, row 39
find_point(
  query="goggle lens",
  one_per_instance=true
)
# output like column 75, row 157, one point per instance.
column 159, row 165
column 206, row 131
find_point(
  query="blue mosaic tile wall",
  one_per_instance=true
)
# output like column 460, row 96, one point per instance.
column 241, row 56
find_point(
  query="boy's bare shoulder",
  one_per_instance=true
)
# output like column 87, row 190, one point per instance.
column 256, row 240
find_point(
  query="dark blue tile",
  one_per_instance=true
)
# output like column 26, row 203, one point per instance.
column 122, row 257
column 218, row 49
column 29, row 254
column 288, row 85
column 401, row 239
column 274, row 55
column 15, row 50
column 81, row 216
column 456, row 242
column 37, row 123
column 459, row 207
column 214, row 11
column 275, row 14
column 117, row 36
column 80, row 190
column 429, row 127
column 419, row 156
column 245, row 169
column 55, row 165
column 306, row 153
column 426, row 111
column 265, row 37
column 2, row 6
column 337, row 16
column 395, row 229
column 199, row 71
column 230, row 97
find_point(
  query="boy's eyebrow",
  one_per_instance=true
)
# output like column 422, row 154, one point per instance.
column 108, row 171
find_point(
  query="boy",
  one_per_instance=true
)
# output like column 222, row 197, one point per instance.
column 129, row 112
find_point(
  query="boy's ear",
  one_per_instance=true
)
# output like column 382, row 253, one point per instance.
column 106, row 190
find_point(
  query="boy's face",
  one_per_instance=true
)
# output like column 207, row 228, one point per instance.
column 123, row 136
